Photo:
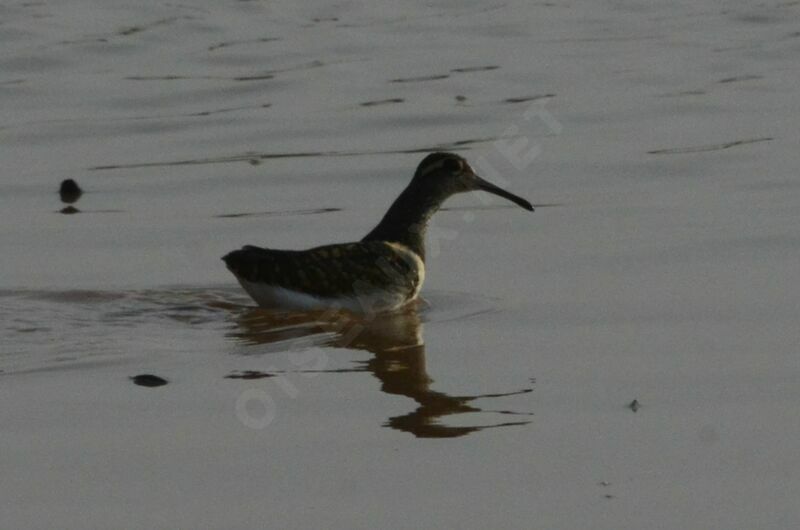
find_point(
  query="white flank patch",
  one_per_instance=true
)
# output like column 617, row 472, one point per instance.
column 415, row 261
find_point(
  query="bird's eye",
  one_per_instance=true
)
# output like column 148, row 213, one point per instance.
column 452, row 165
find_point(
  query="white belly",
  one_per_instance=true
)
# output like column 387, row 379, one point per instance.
column 271, row 296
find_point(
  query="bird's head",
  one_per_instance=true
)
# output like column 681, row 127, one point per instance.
column 452, row 174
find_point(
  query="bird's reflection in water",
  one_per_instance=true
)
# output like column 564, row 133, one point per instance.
column 396, row 342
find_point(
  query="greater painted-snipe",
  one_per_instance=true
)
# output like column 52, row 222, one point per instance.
column 383, row 271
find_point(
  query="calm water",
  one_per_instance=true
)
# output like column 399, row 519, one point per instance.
column 660, row 141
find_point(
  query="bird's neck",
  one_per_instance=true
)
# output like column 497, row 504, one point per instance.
column 407, row 219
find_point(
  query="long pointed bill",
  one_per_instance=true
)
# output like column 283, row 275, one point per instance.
column 500, row 192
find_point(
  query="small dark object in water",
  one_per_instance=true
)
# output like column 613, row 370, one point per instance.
column 524, row 99
column 70, row 191
column 148, row 380
column 634, row 405
column 68, row 210
column 461, row 98
column 249, row 374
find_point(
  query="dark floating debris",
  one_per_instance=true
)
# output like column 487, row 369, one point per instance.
column 461, row 98
column 253, row 77
column 458, row 145
column 174, row 77
column 528, row 98
column 220, row 111
column 269, row 74
column 249, row 374
column 634, row 405
column 704, row 148
column 232, row 43
column 696, row 92
column 420, row 78
column 381, row 102
column 474, row 69
column 309, row 211
column 148, row 380
column 724, row 81
column 736, row 79
column 132, row 30
column 69, row 191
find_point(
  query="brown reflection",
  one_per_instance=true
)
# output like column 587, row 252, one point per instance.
column 397, row 344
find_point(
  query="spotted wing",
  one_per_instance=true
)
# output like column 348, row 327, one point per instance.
column 329, row 271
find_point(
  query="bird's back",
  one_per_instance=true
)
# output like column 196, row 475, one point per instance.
column 362, row 276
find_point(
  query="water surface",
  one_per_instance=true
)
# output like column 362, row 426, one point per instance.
column 142, row 389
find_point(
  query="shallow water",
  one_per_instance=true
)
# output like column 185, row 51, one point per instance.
column 51, row 331
column 659, row 140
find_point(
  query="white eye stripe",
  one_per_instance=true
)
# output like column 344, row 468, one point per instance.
column 432, row 167
column 440, row 163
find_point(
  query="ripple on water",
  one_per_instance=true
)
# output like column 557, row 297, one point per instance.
column 53, row 331
column 44, row 327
